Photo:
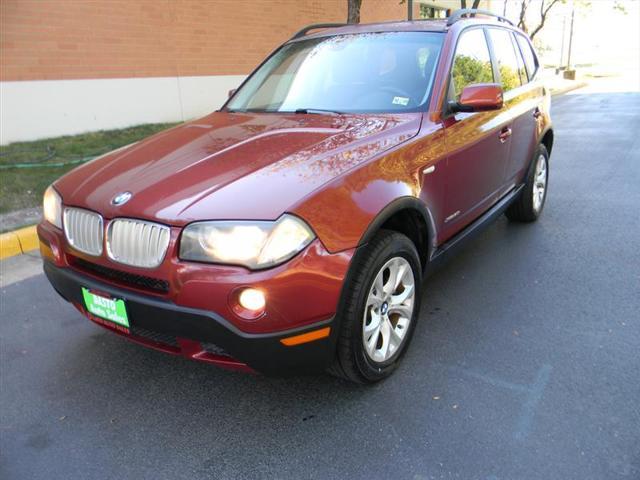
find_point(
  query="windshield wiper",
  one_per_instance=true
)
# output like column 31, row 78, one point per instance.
column 317, row 111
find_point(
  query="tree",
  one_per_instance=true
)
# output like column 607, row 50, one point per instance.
column 353, row 11
column 475, row 4
column 620, row 7
column 353, row 8
column 545, row 7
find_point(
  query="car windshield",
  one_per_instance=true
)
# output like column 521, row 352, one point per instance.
column 356, row 73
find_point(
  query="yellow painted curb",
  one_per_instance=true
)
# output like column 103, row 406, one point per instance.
column 9, row 245
column 18, row 242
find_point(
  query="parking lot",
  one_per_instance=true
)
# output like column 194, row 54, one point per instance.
column 525, row 363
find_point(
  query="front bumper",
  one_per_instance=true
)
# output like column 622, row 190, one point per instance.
column 185, row 308
column 199, row 334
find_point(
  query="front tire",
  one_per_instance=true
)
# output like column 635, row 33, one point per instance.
column 529, row 205
column 380, row 309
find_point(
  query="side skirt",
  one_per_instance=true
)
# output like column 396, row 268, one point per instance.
column 444, row 251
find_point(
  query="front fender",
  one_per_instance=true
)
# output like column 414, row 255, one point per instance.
column 348, row 211
column 345, row 212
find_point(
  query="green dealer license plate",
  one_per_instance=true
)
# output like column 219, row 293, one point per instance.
column 112, row 309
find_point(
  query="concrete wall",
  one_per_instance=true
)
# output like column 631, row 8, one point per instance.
column 50, row 108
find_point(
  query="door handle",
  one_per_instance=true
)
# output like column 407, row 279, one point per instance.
column 537, row 113
column 505, row 133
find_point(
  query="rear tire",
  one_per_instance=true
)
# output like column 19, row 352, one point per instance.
column 529, row 205
column 381, row 304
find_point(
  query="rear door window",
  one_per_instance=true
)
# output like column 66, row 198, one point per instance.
column 527, row 54
column 505, row 54
column 522, row 71
column 471, row 63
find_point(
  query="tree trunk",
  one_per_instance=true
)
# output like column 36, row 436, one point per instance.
column 475, row 4
column 523, row 12
column 353, row 11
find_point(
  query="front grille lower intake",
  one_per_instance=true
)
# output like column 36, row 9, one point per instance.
column 125, row 278
column 157, row 337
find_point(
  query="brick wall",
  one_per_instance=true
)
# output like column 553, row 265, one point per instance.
column 87, row 39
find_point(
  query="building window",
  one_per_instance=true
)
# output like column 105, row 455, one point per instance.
column 428, row 11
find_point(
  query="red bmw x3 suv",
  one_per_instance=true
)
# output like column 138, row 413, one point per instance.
column 290, row 230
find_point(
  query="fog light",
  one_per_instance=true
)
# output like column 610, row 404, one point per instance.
column 252, row 299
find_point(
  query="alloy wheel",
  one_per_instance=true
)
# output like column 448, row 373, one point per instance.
column 389, row 310
column 539, row 183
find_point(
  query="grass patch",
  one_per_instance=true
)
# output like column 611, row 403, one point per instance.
column 23, row 187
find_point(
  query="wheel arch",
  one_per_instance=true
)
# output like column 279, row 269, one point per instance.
column 409, row 216
column 547, row 140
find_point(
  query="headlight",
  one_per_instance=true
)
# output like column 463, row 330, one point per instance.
column 52, row 207
column 252, row 244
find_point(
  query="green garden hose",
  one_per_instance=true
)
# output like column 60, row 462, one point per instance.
column 43, row 162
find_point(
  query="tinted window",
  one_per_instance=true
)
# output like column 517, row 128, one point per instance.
column 527, row 54
column 372, row 72
column 505, row 54
column 472, row 62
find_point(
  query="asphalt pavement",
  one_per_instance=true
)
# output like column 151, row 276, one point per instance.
column 525, row 363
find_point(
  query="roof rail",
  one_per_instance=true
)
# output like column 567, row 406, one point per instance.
column 458, row 14
column 308, row 28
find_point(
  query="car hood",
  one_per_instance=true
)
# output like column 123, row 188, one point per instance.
column 232, row 165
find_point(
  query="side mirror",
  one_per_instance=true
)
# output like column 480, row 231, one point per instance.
column 232, row 91
column 479, row 97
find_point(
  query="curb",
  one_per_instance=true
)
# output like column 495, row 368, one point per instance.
column 18, row 242
column 568, row 88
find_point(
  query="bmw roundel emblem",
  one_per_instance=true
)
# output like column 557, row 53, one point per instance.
column 121, row 198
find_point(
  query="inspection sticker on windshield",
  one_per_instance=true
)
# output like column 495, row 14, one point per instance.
column 111, row 309
column 400, row 101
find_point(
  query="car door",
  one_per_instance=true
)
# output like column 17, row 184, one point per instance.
column 520, row 100
column 528, row 100
column 477, row 143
